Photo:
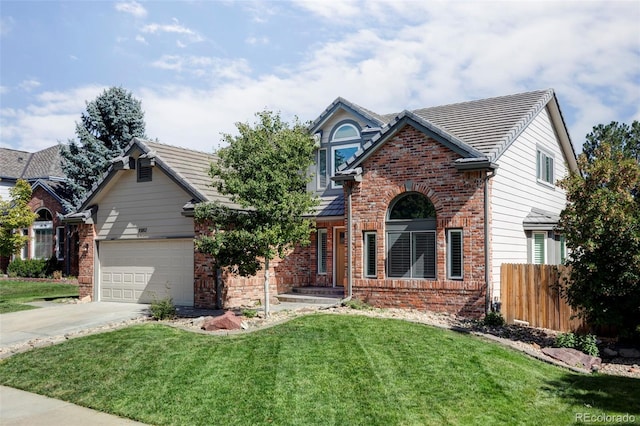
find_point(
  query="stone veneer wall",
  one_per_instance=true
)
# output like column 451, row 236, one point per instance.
column 413, row 162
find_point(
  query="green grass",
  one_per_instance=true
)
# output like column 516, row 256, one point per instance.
column 14, row 293
column 317, row 369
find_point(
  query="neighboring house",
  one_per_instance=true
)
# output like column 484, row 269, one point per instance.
column 428, row 198
column 47, row 236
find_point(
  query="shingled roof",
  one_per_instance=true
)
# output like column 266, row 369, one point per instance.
column 188, row 168
column 44, row 164
column 484, row 127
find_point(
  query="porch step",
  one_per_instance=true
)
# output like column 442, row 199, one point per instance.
column 319, row 291
column 307, row 296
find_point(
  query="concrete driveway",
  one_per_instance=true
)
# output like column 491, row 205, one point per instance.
column 54, row 320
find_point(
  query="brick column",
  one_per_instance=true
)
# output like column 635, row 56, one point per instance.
column 86, row 237
column 204, row 274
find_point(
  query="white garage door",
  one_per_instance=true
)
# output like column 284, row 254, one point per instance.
column 138, row 271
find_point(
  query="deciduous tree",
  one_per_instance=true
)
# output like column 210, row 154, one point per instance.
column 108, row 125
column 264, row 170
column 14, row 216
column 602, row 227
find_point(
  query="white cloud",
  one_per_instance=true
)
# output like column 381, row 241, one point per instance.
column 133, row 8
column 257, row 40
column 141, row 39
column 202, row 66
column 51, row 118
column 6, row 25
column 418, row 54
column 3, row 90
column 29, row 85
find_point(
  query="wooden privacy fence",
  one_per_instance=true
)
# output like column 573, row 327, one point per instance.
column 529, row 293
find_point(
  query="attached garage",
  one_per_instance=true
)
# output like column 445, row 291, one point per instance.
column 138, row 271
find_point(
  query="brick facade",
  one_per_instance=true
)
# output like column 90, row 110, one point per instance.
column 42, row 199
column 413, row 162
column 285, row 274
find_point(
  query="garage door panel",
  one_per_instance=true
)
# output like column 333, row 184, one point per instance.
column 140, row 271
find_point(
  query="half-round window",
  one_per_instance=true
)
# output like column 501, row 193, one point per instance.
column 412, row 206
column 345, row 132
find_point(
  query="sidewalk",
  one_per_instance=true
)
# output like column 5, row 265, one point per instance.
column 23, row 408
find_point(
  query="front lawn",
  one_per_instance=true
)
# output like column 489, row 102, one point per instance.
column 317, row 369
column 14, row 293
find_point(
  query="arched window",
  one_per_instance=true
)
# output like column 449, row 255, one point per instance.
column 345, row 132
column 341, row 153
column 43, row 235
column 411, row 237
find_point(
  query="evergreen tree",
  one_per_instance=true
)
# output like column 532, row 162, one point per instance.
column 105, row 129
column 264, row 170
column 15, row 215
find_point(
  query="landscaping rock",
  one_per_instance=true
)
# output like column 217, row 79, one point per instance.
column 228, row 321
column 629, row 353
column 573, row 357
column 609, row 352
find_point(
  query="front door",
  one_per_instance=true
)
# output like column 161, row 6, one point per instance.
column 340, row 261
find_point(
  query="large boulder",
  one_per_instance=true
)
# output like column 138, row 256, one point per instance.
column 228, row 321
column 574, row 358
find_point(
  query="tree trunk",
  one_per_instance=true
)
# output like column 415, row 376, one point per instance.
column 266, row 288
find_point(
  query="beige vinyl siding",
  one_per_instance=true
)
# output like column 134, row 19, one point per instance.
column 515, row 190
column 132, row 210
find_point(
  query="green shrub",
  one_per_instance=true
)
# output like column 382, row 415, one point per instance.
column 28, row 268
column 493, row 319
column 356, row 304
column 249, row 313
column 586, row 343
column 163, row 309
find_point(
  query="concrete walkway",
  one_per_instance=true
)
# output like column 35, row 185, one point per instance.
column 23, row 408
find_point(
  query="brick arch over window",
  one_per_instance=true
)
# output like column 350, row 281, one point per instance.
column 390, row 195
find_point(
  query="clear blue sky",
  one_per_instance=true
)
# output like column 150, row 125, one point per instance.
column 200, row 66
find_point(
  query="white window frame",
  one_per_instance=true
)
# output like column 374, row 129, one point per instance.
column 545, row 172
column 350, row 138
column 322, row 251
column 335, row 185
column 544, row 247
column 322, row 153
column 369, row 237
column 450, row 274
column 60, row 238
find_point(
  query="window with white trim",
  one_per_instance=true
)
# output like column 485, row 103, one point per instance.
column 539, row 249
column 43, row 235
column 24, row 253
column 345, row 132
column 411, row 237
column 455, row 258
column 563, row 249
column 339, row 155
column 322, row 251
column 322, row 168
column 544, row 167
column 60, row 242
column 369, row 253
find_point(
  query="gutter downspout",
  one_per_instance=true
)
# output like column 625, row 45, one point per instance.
column 349, row 244
column 487, row 243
